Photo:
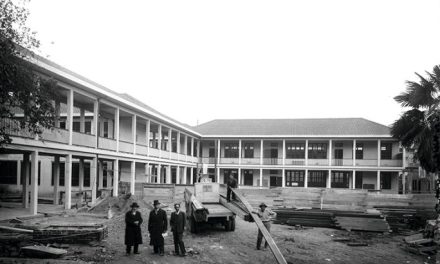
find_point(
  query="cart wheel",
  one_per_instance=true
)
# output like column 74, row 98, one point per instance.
column 227, row 224
column 232, row 224
column 192, row 225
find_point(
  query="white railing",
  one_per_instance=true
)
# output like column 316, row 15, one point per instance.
column 272, row 161
column 141, row 149
column 317, row 162
column 391, row 163
column 229, row 160
column 366, row 162
column 82, row 139
column 107, row 143
column 181, row 157
column 342, row 162
column 295, row 162
column 126, row 146
column 174, row 156
column 154, row 152
column 250, row 161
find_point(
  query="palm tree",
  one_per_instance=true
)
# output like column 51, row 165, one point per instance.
column 416, row 127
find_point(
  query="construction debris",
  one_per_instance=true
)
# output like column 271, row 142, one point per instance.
column 362, row 224
column 18, row 230
column 42, row 252
column 71, row 233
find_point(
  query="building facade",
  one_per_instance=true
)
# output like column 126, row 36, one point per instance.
column 103, row 141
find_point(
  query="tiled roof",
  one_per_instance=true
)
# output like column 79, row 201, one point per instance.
column 293, row 127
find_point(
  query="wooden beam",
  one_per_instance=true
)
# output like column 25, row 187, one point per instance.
column 273, row 247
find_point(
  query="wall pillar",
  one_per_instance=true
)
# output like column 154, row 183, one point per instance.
column 132, row 177
column 81, row 174
column 170, row 142
column 218, row 153
column 261, row 174
column 192, row 147
column 116, row 177
column 306, row 178
column 69, row 121
column 168, row 179
column 354, row 180
column 25, row 172
column 329, row 179
column 283, row 182
column 239, row 177
column 159, row 138
column 133, row 132
column 192, row 175
column 178, row 175
column 68, row 182
column 93, row 183
column 100, row 174
column 56, row 180
column 116, row 128
column 34, row 183
column 378, row 181
column 178, row 145
column 284, row 155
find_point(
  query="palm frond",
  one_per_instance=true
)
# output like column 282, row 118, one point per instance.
column 408, row 127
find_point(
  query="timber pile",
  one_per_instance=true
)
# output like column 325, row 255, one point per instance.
column 363, row 223
column 405, row 218
column 417, row 244
column 315, row 218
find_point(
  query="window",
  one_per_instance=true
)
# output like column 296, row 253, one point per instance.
column 105, row 129
column 231, row 150
column 153, row 140
column 63, row 124
column 385, row 180
column 295, row 178
column 164, row 141
column 75, row 174
column 8, row 170
column 88, row 127
column 248, row 150
column 104, row 175
column 194, row 154
column 76, row 126
column 359, row 151
column 188, row 146
column 317, row 178
column 385, row 150
column 211, row 150
column 317, row 150
column 340, row 179
column 295, row 151
column 248, row 176
column 61, row 179
column 174, row 142
column 86, row 174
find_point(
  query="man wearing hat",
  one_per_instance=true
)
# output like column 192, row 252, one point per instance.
column 157, row 225
column 266, row 216
column 133, row 235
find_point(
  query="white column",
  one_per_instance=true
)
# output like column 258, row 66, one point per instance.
column 354, row 180
column 378, row 180
column 306, row 178
column 100, row 174
column 69, row 121
column 185, row 148
column 147, row 172
column 93, row 168
column 239, row 177
column 218, row 152
column 330, row 143
column 158, row 179
column 239, row 152
column 178, row 144
column 68, row 182
column 82, row 120
column 284, row 156
column 177, row 175
column 25, row 180
column 81, row 174
column 95, row 121
column 218, row 174
column 283, row 171
column 116, row 128
column 159, row 138
column 261, row 174
column 404, row 157
column 132, row 177
column 56, row 179
column 133, row 127
column 307, row 152
column 192, row 147
column 261, row 153
column 116, row 177
column 354, row 153
column 168, row 179
column 148, row 136
column 192, row 175
column 34, row 183
column 198, row 148
column 329, row 179
column 185, row 175
column 378, row 152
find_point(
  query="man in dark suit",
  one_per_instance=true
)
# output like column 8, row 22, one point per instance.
column 157, row 225
column 232, row 184
column 177, row 223
column 133, row 236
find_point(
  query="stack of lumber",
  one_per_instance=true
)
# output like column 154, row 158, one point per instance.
column 406, row 217
column 419, row 245
column 370, row 223
column 315, row 218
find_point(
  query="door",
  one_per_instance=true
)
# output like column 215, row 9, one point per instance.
column 248, row 177
column 339, row 156
column 273, row 154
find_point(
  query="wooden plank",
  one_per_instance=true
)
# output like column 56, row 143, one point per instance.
column 13, row 229
column 273, row 247
column 235, row 209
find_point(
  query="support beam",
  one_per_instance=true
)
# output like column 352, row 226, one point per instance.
column 329, row 179
column 168, row 176
column 132, row 177
column 177, row 175
column 284, row 154
column 378, row 181
column 68, row 182
column 26, row 175
column 283, row 179
column 192, row 147
column 56, row 180
column 239, row 177
column 170, row 142
column 354, row 180
column 69, row 120
column 93, row 183
column 34, row 183
column 354, row 152
column 116, row 177
column 261, row 173
column 218, row 154
column 133, row 132
column 306, row 178
column 116, row 128
column 239, row 151
column 81, row 174
column 185, row 148
column 191, row 175
column 178, row 144
column 261, row 155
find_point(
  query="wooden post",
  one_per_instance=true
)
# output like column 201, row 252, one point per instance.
column 34, row 183
column 56, row 180
column 68, row 182
column 25, row 171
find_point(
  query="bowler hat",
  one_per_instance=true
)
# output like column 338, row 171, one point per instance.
column 134, row 205
column 156, row 202
column 263, row 204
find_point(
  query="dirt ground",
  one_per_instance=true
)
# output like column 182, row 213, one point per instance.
column 312, row 245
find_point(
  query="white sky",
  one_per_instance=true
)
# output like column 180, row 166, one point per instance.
column 201, row 60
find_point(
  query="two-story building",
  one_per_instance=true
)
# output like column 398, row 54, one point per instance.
column 103, row 141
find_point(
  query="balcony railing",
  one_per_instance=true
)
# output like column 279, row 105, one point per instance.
column 107, row 143
column 126, row 146
column 141, row 149
column 391, row 163
column 192, row 159
column 164, row 154
column 228, row 160
column 317, row 162
column 250, row 160
column 181, row 156
column 366, row 162
column 296, row 162
column 272, row 161
column 174, row 156
column 82, row 139
column 208, row 160
column 55, row 135
column 342, row 162
column 12, row 128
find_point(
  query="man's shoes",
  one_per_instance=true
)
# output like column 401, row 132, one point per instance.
column 258, row 248
column 136, row 253
column 184, row 254
column 161, row 254
column 176, row 253
column 127, row 253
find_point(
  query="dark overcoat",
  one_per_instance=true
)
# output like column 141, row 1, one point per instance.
column 157, row 224
column 133, row 233
column 177, row 222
